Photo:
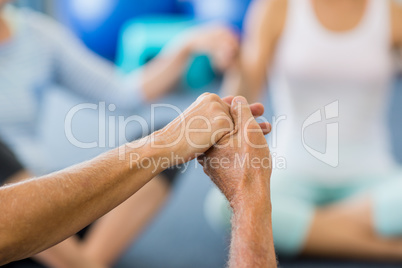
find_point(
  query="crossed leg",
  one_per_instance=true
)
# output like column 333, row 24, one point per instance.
column 346, row 230
column 360, row 221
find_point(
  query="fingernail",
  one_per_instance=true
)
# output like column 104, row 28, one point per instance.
column 269, row 127
column 241, row 100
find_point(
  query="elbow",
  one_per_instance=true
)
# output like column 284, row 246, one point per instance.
column 148, row 96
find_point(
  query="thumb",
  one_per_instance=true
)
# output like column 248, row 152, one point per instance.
column 240, row 111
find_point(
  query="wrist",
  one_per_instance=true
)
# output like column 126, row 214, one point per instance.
column 169, row 147
column 254, row 195
column 262, row 205
column 147, row 155
column 191, row 41
column 189, row 46
column 258, row 213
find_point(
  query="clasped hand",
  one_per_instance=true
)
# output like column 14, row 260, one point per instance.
column 228, row 142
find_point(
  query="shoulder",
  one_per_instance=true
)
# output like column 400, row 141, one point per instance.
column 42, row 25
column 272, row 7
column 35, row 19
column 396, row 22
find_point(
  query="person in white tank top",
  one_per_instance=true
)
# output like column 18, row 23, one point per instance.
column 330, row 67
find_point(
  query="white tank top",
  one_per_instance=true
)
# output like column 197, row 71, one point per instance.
column 344, row 78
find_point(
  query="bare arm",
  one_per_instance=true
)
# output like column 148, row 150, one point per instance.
column 78, row 69
column 396, row 33
column 396, row 18
column 39, row 213
column 162, row 73
column 252, row 242
column 264, row 23
column 240, row 165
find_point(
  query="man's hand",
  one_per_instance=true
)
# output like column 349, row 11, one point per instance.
column 240, row 163
column 39, row 213
column 200, row 126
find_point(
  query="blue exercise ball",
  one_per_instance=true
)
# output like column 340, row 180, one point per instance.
column 231, row 12
column 98, row 22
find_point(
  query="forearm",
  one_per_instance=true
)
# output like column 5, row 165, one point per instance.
column 233, row 83
column 244, row 80
column 162, row 73
column 252, row 242
column 42, row 212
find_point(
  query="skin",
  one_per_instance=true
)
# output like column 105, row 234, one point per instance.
column 352, row 233
column 3, row 2
column 65, row 254
column 5, row 32
column 263, row 26
column 247, row 188
column 18, row 177
column 103, row 245
column 39, row 213
column 158, row 78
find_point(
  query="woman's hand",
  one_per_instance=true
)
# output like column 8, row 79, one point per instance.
column 216, row 40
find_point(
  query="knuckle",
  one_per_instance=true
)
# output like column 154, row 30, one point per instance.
column 204, row 95
column 215, row 107
column 213, row 97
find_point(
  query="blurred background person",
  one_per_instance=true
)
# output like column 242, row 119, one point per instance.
column 11, row 170
column 38, row 54
column 330, row 66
